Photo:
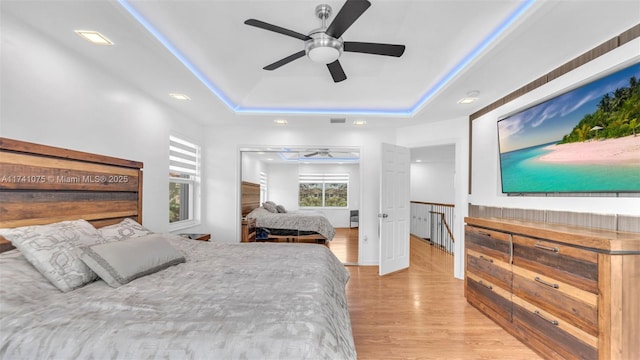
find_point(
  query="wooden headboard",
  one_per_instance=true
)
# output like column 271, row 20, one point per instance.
column 42, row 184
column 250, row 197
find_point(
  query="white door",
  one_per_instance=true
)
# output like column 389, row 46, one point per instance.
column 395, row 211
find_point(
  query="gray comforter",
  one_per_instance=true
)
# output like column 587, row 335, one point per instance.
column 228, row 301
column 295, row 220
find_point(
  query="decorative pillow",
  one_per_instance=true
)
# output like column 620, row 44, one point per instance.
column 120, row 262
column 54, row 250
column 281, row 209
column 270, row 206
column 126, row 229
column 257, row 212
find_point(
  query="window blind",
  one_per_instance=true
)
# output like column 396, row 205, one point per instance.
column 183, row 157
column 323, row 178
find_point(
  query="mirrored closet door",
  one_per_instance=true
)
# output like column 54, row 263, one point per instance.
column 302, row 195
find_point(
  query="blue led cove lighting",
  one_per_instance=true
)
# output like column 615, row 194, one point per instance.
column 450, row 75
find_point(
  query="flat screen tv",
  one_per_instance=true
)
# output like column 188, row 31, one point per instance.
column 585, row 140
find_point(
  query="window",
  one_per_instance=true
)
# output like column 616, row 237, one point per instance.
column 184, row 179
column 263, row 187
column 323, row 190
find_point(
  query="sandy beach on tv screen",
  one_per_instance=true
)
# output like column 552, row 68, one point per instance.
column 620, row 150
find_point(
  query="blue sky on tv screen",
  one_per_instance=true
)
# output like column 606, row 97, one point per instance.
column 549, row 121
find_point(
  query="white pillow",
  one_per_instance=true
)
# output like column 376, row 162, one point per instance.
column 125, row 229
column 53, row 249
column 270, row 206
column 120, row 262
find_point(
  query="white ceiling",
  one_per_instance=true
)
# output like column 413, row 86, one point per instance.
column 296, row 156
column 452, row 48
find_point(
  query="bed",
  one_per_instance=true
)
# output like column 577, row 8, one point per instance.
column 207, row 300
column 280, row 224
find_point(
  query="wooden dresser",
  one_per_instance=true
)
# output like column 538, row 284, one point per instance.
column 566, row 292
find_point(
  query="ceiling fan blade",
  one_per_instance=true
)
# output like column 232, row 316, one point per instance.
column 336, row 71
column 312, row 154
column 374, row 48
column 350, row 12
column 275, row 28
column 285, row 61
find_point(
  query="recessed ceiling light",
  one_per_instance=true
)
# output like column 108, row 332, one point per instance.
column 418, row 160
column 359, row 122
column 466, row 100
column 94, row 37
column 179, row 96
column 280, row 121
column 472, row 96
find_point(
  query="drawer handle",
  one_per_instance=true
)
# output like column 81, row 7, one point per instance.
column 548, row 248
column 555, row 286
column 552, row 322
column 485, row 285
column 486, row 259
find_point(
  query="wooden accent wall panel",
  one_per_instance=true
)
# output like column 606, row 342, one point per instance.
column 42, row 184
column 572, row 292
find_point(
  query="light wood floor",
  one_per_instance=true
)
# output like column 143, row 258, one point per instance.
column 344, row 245
column 421, row 313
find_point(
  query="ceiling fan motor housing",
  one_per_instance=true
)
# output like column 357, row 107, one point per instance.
column 323, row 48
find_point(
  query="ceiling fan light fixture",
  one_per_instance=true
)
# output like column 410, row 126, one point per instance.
column 323, row 49
column 323, row 54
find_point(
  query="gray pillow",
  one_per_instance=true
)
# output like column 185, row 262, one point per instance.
column 281, row 209
column 54, row 250
column 270, row 206
column 120, row 262
column 125, row 229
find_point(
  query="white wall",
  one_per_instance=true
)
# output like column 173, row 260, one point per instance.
column 433, row 182
column 486, row 172
column 251, row 169
column 282, row 185
column 447, row 132
column 222, row 154
column 53, row 97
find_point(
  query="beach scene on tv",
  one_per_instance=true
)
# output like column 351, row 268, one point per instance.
column 585, row 140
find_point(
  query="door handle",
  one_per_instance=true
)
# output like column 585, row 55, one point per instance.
column 384, row 216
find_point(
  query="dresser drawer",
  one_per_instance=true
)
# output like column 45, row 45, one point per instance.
column 550, row 335
column 575, row 306
column 489, row 297
column 491, row 269
column 492, row 243
column 568, row 264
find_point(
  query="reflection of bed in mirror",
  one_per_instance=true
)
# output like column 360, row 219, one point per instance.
column 274, row 223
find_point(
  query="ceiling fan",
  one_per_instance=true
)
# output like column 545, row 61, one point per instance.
column 325, row 45
column 320, row 153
